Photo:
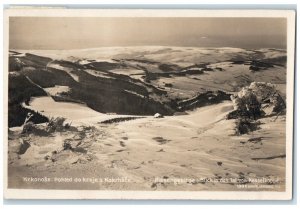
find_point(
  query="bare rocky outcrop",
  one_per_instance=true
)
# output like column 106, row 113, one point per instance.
column 56, row 124
column 23, row 146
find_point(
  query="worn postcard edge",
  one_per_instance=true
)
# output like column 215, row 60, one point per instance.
column 191, row 195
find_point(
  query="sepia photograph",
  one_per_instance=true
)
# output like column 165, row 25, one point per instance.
column 149, row 104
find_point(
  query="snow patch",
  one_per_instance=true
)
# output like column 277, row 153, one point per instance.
column 56, row 90
column 65, row 69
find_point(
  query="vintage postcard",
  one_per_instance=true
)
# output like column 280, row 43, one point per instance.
column 148, row 104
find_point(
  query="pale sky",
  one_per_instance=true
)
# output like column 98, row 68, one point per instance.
column 93, row 32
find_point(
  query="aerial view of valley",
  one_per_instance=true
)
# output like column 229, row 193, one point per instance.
column 166, row 113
